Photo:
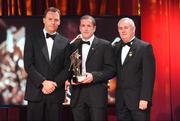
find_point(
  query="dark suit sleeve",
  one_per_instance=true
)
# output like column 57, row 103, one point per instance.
column 148, row 73
column 108, row 70
column 64, row 75
column 29, row 61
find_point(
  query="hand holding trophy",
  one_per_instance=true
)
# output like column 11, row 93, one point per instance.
column 75, row 67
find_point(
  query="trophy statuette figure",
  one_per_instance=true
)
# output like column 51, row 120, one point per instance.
column 75, row 67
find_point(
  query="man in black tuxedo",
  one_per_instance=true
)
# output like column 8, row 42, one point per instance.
column 135, row 74
column 44, row 58
column 89, row 97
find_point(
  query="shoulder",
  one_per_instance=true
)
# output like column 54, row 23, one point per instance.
column 62, row 38
column 34, row 36
column 102, row 44
column 143, row 46
column 76, row 43
column 142, row 42
column 101, row 41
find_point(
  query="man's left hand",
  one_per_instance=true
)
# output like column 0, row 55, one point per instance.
column 88, row 79
column 143, row 104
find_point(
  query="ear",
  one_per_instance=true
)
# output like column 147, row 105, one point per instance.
column 134, row 30
column 94, row 28
column 59, row 22
column 44, row 20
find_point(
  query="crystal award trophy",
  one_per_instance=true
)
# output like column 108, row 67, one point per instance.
column 75, row 67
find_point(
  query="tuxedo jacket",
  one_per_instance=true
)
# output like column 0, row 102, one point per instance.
column 135, row 78
column 40, row 68
column 101, row 63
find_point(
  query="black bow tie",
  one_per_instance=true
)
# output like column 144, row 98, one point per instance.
column 52, row 36
column 128, row 44
column 85, row 42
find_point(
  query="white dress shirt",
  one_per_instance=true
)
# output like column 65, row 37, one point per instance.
column 125, row 50
column 85, row 51
column 49, row 43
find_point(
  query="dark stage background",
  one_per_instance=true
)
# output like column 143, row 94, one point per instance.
column 160, row 25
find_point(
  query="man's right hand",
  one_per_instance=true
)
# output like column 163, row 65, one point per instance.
column 48, row 86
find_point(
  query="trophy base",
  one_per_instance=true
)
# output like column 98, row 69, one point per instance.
column 78, row 79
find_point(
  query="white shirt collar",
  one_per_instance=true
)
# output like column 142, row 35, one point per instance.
column 90, row 39
column 46, row 32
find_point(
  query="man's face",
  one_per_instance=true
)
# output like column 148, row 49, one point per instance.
column 126, row 31
column 51, row 22
column 86, row 28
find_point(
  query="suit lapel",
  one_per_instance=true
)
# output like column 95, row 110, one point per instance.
column 54, row 49
column 131, row 53
column 57, row 45
column 92, row 49
column 43, row 46
column 118, row 49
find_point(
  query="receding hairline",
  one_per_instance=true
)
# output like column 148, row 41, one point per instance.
column 52, row 9
column 129, row 20
column 85, row 17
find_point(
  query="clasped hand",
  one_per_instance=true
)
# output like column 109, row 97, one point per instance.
column 48, row 86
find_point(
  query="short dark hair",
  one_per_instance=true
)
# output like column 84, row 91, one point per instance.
column 90, row 18
column 51, row 9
